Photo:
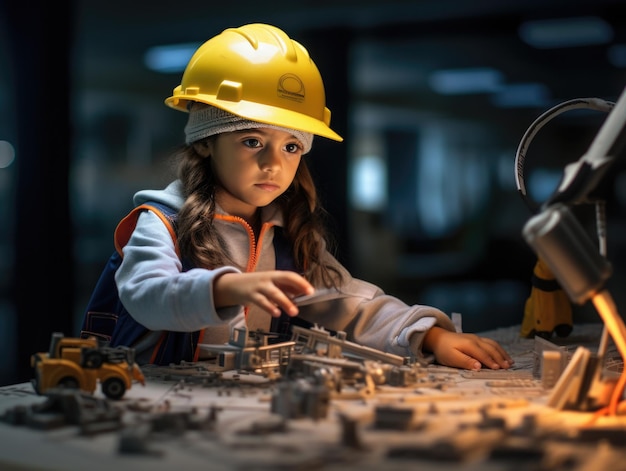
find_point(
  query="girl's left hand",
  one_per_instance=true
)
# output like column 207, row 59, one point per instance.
column 467, row 351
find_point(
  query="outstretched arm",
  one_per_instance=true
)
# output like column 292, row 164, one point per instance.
column 468, row 351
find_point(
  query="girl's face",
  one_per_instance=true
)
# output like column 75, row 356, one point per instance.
column 254, row 167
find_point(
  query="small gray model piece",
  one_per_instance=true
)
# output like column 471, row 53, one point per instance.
column 551, row 367
column 301, row 398
column 394, row 417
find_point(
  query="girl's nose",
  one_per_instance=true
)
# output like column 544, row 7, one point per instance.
column 270, row 159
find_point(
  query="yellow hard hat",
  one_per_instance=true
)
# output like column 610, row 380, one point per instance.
column 257, row 72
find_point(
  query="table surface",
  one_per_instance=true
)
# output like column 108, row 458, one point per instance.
column 186, row 416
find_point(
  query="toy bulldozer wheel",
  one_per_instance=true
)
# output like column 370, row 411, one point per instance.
column 92, row 359
column 114, row 388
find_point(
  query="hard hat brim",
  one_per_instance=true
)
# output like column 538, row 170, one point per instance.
column 261, row 113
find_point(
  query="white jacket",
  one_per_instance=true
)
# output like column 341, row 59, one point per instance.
column 159, row 295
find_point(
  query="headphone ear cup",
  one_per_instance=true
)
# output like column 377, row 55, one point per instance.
column 596, row 104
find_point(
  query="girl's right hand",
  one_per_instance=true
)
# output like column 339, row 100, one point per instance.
column 269, row 290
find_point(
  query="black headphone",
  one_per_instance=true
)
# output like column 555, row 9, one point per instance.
column 520, row 156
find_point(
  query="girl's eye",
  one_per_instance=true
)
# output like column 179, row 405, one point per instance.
column 293, row 148
column 251, row 142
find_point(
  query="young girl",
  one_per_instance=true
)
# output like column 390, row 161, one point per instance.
column 249, row 225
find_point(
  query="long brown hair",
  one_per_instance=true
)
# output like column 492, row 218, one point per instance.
column 305, row 220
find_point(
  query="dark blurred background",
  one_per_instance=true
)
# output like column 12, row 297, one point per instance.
column 431, row 96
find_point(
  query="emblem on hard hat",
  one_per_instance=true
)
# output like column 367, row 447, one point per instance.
column 291, row 87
